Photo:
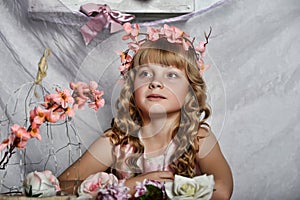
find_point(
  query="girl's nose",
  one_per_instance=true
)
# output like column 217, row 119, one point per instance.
column 156, row 84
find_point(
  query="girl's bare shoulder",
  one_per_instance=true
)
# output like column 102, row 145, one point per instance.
column 206, row 140
column 103, row 141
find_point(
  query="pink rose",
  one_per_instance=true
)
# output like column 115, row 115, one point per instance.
column 90, row 187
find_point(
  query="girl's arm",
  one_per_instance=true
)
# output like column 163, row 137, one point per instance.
column 97, row 158
column 212, row 161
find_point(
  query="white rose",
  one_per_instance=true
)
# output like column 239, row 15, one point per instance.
column 90, row 187
column 199, row 187
column 43, row 183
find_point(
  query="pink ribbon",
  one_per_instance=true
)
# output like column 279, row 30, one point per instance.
column 101, row 16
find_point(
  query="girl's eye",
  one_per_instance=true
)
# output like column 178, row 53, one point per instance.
column 172, row 75
column 145, row 74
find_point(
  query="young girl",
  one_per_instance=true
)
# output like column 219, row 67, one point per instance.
column 160, row 128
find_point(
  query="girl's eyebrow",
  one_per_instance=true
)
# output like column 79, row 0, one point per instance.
column 143, row 66
column 147, row 66
column 168, row 68
column 176, row 69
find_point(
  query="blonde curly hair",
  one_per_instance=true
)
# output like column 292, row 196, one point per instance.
column 194, row 112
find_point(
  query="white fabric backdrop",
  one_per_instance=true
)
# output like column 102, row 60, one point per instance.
column 253, row 84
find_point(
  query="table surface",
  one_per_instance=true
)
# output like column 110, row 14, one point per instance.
column 32, row 198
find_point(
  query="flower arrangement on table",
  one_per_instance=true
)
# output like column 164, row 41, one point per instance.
column 104, row 186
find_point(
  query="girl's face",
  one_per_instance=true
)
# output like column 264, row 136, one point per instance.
column 160, row 89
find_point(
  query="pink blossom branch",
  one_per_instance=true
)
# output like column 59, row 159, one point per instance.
column 59, row 106
column 7, row 155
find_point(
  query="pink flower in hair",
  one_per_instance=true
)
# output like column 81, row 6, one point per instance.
column 168, row 32
column 202, row 67
column 171, row 33
column 134, row 46
column 125, row 60
column 131, row 32
column 127, row 27
column 124, row 56
column 186, row 45
column 201, row 47
column 123, row 68
column 174, row 34
column 153, row 34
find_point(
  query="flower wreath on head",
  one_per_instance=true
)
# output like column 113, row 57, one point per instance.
column 171, row 33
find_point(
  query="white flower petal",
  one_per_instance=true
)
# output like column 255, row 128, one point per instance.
column 39, row 184
column 200, row 187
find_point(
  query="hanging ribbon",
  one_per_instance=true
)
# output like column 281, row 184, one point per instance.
column 42, row 70
column 43, row 66
column 101, row 16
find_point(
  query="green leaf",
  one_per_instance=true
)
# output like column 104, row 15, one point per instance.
column 37, row 195
column 29, row 193
column 153, row 192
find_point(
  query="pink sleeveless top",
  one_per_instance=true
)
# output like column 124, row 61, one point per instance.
column 159, row 163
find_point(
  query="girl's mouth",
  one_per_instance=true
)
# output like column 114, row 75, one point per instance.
column 155, row 97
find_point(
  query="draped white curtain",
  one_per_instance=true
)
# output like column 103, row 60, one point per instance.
column 253, row 82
